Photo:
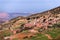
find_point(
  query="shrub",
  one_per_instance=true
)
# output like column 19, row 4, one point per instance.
column 6, row 33
column 56, row 25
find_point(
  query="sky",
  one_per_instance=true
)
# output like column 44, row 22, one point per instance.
column 27, row 6
column 13, row 8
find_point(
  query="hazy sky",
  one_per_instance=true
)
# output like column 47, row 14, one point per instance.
column 27, row 6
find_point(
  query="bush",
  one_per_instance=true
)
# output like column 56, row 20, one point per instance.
column 6, row 33
column 56, row 25
column 15, row 39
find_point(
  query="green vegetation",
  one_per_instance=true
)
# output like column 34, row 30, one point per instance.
column 6, row 33
column 54, row 32
column 38, row 37
column 15, row 39
column 56, row 25
column 25, row 31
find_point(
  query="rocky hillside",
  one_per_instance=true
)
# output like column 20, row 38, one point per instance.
column 51, row 12
column 42, row 23
column 16, row 22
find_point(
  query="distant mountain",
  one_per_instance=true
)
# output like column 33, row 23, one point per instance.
column 3, row 17
column 8, row 16
column 13, row 15
column 2, row 20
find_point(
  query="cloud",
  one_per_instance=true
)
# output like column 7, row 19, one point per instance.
column 4, row 15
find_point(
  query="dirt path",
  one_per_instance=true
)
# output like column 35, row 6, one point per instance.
column 21, row 36
column 58, row 37
column 49, row 37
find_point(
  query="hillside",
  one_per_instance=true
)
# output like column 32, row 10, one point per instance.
column 47, row 21
column 48, row 12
